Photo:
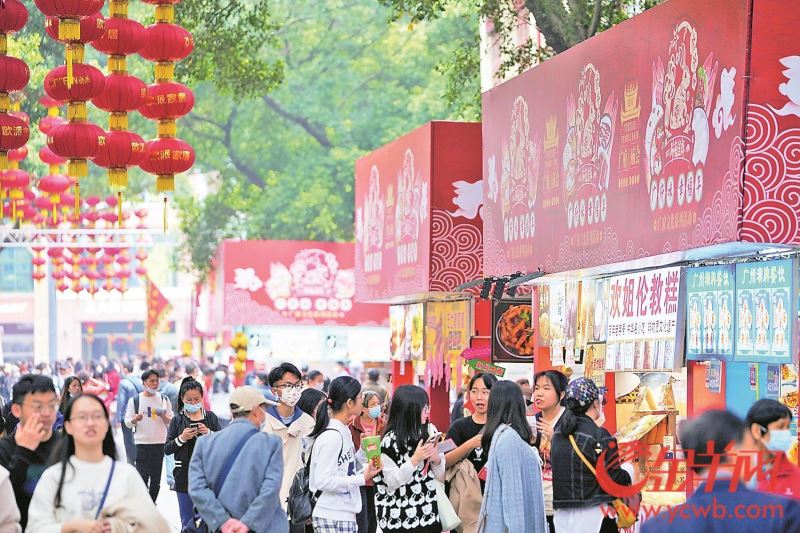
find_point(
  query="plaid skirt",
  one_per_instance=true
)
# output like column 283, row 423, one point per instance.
column 323, row 525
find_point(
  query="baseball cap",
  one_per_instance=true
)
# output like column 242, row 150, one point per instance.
column 247, row 398
column 583, row 391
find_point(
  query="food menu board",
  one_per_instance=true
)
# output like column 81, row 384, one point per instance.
column 764, row 318
column 407, row 325
column 642, row 320
column 512, row 335
column 710, row 312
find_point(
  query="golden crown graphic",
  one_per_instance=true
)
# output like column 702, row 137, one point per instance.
column 551, row 135
column 631, row 107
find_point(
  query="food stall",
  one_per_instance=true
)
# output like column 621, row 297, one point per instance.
column 627, row 183
column 418, row 236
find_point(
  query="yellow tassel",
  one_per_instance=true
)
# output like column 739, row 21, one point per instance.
column 119, row 209
column 69, row 64
column 118, row 8
column 77, row 198
column 118, row 121
column 55, row 214
column 165, row 71
column 165, row 13
column 3, row 44
column 54, row 169
column 167, row 128
column 5, row 102
column 165, row 214
column 118, row 178
column 117, row 64
column 165, row 183
column 77, row 111
column 52, row 111
column 77, row 52
column 14, row 210
column 78, row 168
column 69, row 30
column 3, row 160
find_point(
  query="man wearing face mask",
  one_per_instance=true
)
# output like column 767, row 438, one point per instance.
column 768, row 422
column 289, row 423
column 316, row 380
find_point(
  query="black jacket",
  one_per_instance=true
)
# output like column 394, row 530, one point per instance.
column 183, row 453
column 25, row 468
column 574, row 485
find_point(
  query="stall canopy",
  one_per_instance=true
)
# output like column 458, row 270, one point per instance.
column 291, row 283
column 418, row 214
column 676, row 130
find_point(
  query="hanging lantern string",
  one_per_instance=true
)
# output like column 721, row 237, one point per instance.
column 165, row 213
column 77, row 198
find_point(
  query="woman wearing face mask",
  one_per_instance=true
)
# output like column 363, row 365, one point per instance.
column 768, row 422
column 368, row 424
column 578, row 499
column 549, row 388
column 191, row 422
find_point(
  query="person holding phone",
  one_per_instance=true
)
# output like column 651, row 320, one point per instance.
column 191, row 422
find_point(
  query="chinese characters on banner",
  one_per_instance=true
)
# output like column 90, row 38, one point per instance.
column 642, row 320
column 764, row 318
column 710, row 312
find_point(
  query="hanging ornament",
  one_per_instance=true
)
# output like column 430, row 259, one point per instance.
column 166, row 44
column 14, row 76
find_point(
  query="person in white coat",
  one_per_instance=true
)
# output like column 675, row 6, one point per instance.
column 9, row 512
column 333, row 469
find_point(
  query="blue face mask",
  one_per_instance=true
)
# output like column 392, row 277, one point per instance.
column 192, row 408
column 374, row 412
column 780, row 440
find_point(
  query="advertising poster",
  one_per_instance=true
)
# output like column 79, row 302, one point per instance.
column 714, row 376
column 406, row 323
column 710, row 312
column 643, row 319
column 763, row 313
column 512, row 335
column 773, row 382
column 594, row 363
column 581, row 145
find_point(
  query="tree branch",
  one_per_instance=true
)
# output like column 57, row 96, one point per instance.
column 551, row 19
column 247, row 171
column 315, row 131
column 595, row 19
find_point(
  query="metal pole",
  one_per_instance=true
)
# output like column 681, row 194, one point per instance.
column 52, row 319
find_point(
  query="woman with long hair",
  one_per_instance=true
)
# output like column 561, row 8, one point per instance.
column 405, row 492
column 310, row 400
column 513, row 500
column 549, row 388
column 332, row 470
column 580, row 502
column 86, row 476
column 72, row 387
column 368, row 424
column 191, row 423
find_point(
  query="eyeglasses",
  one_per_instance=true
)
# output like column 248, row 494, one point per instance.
column 43, row 407
column 482, row 393
column 289, row 386
column 82, row 419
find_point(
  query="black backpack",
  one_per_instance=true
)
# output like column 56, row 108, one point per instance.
column 301, row 500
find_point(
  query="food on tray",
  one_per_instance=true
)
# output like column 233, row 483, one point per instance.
column 790, row 399
column 788, row 373
column 515, row 331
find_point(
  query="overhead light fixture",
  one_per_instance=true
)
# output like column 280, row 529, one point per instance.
column 487, row 287
column 521, row 280
column 469, row 285
column 499, row 288
column 512, row 289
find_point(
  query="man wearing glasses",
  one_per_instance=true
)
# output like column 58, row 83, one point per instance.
column 24, row 452
column 288, row 422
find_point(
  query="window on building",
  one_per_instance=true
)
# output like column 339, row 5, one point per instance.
column 15, row 270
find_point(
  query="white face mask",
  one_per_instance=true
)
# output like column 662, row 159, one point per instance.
column 291, row 396
column 600, row 420
column 318, row 386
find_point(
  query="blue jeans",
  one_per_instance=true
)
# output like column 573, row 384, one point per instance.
column 186, row 508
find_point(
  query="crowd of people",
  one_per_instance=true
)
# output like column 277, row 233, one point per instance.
column 287, row 452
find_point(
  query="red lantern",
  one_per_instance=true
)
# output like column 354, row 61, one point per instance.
column 91, row 28
column 122, row 37
column 141, row 271
column 54, row 185
column 49, row 157
column 49, row 122
column 14, row 74
column 87, row 83
column 111, row 201
column 77, row 141
column 121, row 149
column 122, row 93
column 166, row 43
column 141, row 255
column 169, row 100
column 18, row 154
column 14, row 133
column 165, row 158
column 69, row 13
column 13, row 16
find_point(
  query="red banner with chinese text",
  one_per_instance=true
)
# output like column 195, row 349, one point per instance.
column 157, row 308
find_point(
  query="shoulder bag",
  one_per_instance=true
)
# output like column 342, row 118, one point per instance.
column 626, row 517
